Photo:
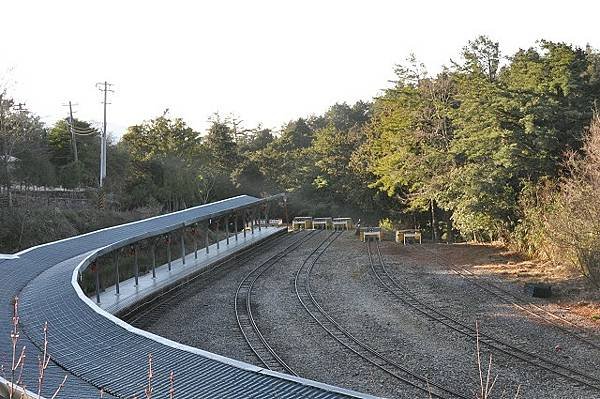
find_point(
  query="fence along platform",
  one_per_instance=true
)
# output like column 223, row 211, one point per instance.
column 165, row 276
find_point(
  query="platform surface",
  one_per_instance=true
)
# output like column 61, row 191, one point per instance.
column 130, row 294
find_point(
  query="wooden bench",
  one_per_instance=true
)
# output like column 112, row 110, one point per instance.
column 402, row 235
column 343, row 223
column 368, row 232
column 303, row 222
column 323, row 223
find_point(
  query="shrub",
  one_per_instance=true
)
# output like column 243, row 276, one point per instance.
column 562, row 221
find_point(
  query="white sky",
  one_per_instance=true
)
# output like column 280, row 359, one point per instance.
column 266, row 61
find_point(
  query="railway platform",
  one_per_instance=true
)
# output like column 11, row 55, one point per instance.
column 100, row 352
column 148, row 285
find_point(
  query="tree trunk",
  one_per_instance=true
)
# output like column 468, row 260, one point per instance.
column 434, row 233
column 9, row 188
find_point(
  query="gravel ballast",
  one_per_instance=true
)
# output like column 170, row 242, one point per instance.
column 345, row 286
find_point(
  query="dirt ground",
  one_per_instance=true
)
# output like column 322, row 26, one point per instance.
column 345, row 286
column 572, row 293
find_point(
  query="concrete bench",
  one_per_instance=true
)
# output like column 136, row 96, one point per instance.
column 321, row 223
column 370, row 232
column 304, row 222
column 342, row 223
column 402, row 235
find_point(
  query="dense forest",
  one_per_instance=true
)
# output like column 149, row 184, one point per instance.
column 493, row 147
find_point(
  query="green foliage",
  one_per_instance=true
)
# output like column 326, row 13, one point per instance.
column 85, row 172
column 464, row 151
column 221, row 147
column 167, row 159
column 469, row 139
column 160, row 137
column 23, row 148
column 386, row 224
column 295, row 135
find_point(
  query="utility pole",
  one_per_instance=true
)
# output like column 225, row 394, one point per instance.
column 8, row 150
column 103, row 87
column 71, row 129
column 3, row 152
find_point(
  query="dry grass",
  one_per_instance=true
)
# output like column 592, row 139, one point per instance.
column 16, row 387
column 562, row 221
column 487, row 382
column 572, row 293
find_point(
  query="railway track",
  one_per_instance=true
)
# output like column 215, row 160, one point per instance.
column 405, row 296
column 573, row 330
column 152, row 310
column 349, row 341
column 245, row 317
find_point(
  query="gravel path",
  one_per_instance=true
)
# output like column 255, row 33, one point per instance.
column 461, row 299
column 206, row 319
column 310, row 350
column 345, row 286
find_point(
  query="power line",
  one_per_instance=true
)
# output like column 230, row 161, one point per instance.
column 91, row 133
column 77, row 130
column 87, row 128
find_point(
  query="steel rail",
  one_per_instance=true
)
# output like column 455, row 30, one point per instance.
column 245, row 317
column 148, row 311
column 346, row 339
column 406, row 297
column 527, row 307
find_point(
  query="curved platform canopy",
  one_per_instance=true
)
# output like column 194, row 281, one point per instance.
column 97, row 351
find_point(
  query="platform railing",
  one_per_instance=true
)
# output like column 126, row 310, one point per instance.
column 122, row 260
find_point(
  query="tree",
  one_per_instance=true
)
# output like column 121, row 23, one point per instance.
column 481, row 57
column 163, row 155
column 482, row 186
column 410, row 155
column 159, row 137
column 295, row 135
column 512, row 130
column 333, row 147
column 256, row 140
column 221, row 146
column 20, row 134
column 70, row 173
column 552, row 89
